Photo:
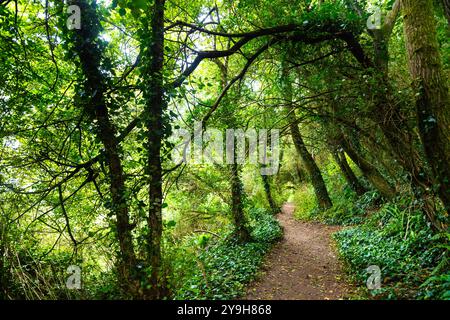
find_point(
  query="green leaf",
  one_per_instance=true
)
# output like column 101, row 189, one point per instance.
column 122, row 12
column 141, row 4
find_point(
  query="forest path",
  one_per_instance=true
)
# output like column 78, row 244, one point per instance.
column 303, row 266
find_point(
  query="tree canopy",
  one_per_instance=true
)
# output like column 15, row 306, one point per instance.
column 341, row 107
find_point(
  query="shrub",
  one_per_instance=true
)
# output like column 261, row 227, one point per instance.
column 206, row 267
column 265, row 228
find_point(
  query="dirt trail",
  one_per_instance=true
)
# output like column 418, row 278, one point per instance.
column 303, row 266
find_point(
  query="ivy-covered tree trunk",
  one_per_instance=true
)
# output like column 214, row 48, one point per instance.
column 89, row 52
column 320, row 189
column 237, row 190
column 154, row 108
column 237, row 206
column 387, row 112
column 348, row 173
column 392, row 120
column 431, row 88
column 268, row 190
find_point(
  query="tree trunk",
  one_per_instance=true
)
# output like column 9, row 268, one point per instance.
column 237, row 191
column 237, row 206
column 267, row 189
column 348, row 173
column 154, row 107
column 387, row 114
column 322, row 197
column 431, row 88
column 392, row 121
column 301, row 175
column 369, row 171
column 320, row 189
column 90, row 54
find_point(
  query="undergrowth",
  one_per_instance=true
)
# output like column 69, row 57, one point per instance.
column 208, row 267
column 413, row 259
column 395, row 236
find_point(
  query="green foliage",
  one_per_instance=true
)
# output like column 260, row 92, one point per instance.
column 347, row 209
column 305, row 202
column 220, row 268
column 102, row 285
column 56, row 178
column 265, row 228
column 399, row 241
column 436, row 287
column 37, row 275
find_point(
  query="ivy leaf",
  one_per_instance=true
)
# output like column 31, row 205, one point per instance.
column 140, row 4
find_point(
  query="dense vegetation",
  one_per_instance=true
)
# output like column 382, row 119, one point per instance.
column 394, row 235
column 96, row 94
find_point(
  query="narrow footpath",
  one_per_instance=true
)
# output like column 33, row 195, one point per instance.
column 303, row 266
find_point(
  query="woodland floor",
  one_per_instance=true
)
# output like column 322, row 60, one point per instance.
column 303, row 266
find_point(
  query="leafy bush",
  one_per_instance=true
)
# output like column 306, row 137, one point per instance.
column 367, row 202
column 346, row 209
column 348, row 212
column 265, row 228
column 436, row 287
column 204, row 267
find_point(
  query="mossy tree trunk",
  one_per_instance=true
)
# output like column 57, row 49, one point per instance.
column 322, row 197
column 268, row 191
column 237, row 205
column 236, row 186
column 320, row 189
column 431, row 90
